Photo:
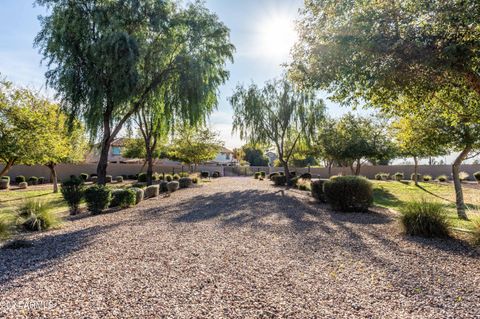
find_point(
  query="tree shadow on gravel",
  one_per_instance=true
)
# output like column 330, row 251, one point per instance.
column 45, row 252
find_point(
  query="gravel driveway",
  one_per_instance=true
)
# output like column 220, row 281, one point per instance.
column 238, row 248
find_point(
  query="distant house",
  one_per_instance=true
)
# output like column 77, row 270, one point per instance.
column 114, row 153
column 224, row 158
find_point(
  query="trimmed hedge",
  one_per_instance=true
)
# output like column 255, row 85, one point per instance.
column 19, row 179
column 152, row 191
column 4, row 183
column 204, row 174
column 108, row 179
column 98, row 198
column 41, row 180
column 119, row 179
column 32, row 180
column 139, row 194
column 173, row 186
column 163, row 186
column 316, row 187
column 142, row 177
column 185, row 182
column 73, row 191
column 23, row 185
column 349, row 193
column 123, row 198
column 280, row 180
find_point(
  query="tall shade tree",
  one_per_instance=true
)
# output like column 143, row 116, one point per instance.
column 278, row 114
column 375, row 51
column 194, row 145
column 107, row 58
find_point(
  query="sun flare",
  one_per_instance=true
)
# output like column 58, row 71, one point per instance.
column 278, row 35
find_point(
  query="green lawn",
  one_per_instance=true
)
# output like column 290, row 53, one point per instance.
column 392, row 194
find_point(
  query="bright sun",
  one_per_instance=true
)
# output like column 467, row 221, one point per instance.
column 277, row 36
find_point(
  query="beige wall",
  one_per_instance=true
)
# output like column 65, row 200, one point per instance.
column 65, row 170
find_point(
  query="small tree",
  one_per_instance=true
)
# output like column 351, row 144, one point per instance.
column 279, row 114
column 195, row 145
column 254, row 155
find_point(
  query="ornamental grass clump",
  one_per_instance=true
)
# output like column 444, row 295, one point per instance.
column 73, row 191
column 349, row 193
column 34, row 215
column 98, row 198
column 425, row 218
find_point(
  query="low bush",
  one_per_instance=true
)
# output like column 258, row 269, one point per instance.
column 262, row 174
column 41, row 180
column 477, row 176
column 378, row 176
column 194, row 180
column 7, row 178
column 216, row 174
column 279, row 180
column 412, row 177
column 184, row 174
column 349, row 193
column 306, row 176
column 168, row 178
column 139, row 193
column 185, row 182
column 427, row 178
column 424, row 218
column 464, row 176
column 176, row 177
column 19, row 179
column 204, row 174
column 4, row 183
column 152, row 191
column 37, row 216
column 272, row 175
column 32, row 180
column 98, row 198
column 132, row 177
column 398, row 176
column 142, row 177
column 123, row 198
column 84, row 177
column 173, row 186
column 22, row 185
column 293, row 181
column 73, row 191
column 163, row 186
column 119, row 179
column 108, row 179
column 442, row 178
column 316, row 188
column 256, row 175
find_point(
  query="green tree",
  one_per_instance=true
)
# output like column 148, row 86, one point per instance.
column 108, row 58
column 376, row 51
column 194, row 145
column 254, row 155
column 279, row 115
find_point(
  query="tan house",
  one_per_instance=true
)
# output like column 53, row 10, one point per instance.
column 114, row 153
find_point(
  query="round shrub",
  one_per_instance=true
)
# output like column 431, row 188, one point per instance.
column 306, row 176
column 176, row 177
column 442, row 178
column 23, row 185
column 4, row 183
column 173, row 186
column 163, row 186
column 262, row 174
column 427, row 178
column 32, row 180
column 398, row 176
column 194, row 180
column 464, row 176
column 412, row 177
column 73, row 191
column 216, row 174
column 123, row 198
column 152, row 191
column 108, row 179
column 316, row 188
column 204, row 174
column 378, row 176
column 139, row 193
column 119, row 179
column 272, row 175
column 168, row 178
column 142, row 177
column 423, row 218
column 20, row 179
column 256, row 175
column 185, row 182
column 132, row 177
column 349, row 193
column 98, row 198
column 41, row 180
column 279, row 180
column 84, row 177
column 183, row 174
column 477, row 176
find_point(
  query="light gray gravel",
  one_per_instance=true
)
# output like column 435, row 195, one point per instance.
column 238, row 248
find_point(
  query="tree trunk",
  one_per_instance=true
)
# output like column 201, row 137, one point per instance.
column 53, row 177
column 458, row 184
column 358, row 167
column 286, row 171
column 103, row 161
column 7, row 167
column 330, row 169
column 149, row 166
column 352, row 170
column 415, row 170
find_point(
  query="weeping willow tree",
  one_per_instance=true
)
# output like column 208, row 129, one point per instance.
column 278, row 114
column 108, row 58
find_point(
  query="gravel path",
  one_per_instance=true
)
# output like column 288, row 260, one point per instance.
column 238, row 248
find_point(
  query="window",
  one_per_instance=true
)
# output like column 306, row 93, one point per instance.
column 116, row 151
column 227, row 156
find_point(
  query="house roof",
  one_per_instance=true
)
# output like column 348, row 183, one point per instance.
column 225, row 150
column 119, row 142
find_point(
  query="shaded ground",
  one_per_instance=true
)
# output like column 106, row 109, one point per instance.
column 238, row 247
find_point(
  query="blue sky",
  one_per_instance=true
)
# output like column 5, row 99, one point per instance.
column 261, row 30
